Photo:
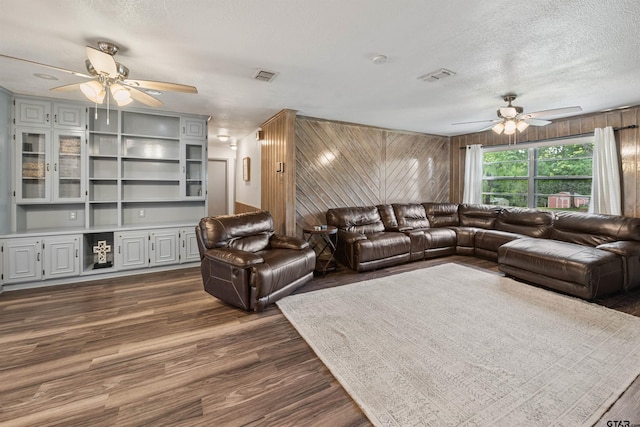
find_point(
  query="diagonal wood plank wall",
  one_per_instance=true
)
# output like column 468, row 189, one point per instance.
column 628, row 142
column 341, row 164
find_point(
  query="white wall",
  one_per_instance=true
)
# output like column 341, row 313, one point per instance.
column 5, row 161
column 248, row 192
column 219, row 151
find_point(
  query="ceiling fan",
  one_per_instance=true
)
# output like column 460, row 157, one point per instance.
column 110, row 79
column 512, row 117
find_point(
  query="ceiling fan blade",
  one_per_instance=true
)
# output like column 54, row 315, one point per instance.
column 478, row 121
column 66, row 88
column 537, row 122
column 161, row 86
column 64, row 70
column 144, row 98
column 552, row 112
column 102, row 62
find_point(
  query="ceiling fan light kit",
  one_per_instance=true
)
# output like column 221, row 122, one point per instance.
column 110, row 79
column 512, row 118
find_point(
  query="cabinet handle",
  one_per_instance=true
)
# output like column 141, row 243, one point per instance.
column 183, row 243
column 55, row 167
column 184, row 130
column 47, row 117
column 55, row 118
column 47, row 167
column 152, row 246
column 184, row 169
column 118, row 249
column 76, row 253
column 38, row 258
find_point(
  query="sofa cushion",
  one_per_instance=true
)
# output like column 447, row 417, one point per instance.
column 528, row 222
column 594, row 229
column 442, row 214
column 382, row 245
column 411, row 215
column 436, row 238
column 491, row 240
column 360, row 219
column 388, row 216
column 480, row 216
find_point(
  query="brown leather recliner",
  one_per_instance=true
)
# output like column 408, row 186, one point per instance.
column 245, row 264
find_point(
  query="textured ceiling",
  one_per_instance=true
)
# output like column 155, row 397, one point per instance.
column 550, row 53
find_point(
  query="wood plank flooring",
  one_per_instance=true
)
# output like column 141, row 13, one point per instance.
column 155, row 349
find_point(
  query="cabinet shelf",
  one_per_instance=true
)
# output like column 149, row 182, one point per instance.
column 103, row 156
column 151, row 159
column 143, row 136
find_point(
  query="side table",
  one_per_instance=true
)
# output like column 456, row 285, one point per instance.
column 325, row 246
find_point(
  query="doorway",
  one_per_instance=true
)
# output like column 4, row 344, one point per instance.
column 218, row 187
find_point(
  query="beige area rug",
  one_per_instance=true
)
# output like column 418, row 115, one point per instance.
column 453, row 346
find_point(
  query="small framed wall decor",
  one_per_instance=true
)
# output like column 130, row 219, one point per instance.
column 246, row 169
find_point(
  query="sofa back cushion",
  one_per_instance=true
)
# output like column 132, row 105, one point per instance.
column 411, row 215
column 594, row 229
column 388, row 216
column 360, row 219
column 480, row 216
column 442, row 214
column 530, row 222
column 248, row 232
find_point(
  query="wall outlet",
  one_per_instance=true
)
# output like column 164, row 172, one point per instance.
column 73, row 215
column 141, row 213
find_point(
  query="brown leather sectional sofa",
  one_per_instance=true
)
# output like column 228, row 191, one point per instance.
column 580, row 254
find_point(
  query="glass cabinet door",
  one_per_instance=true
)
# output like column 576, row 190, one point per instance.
column 67, row 167
column 34, row 167
column 194, row 170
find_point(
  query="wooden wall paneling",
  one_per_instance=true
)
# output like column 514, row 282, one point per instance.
column 414, row 168
column 337, row 164
column 278, row 189
column 244, row 208
column 628, row 140
column 344, row 164
column 628, row 143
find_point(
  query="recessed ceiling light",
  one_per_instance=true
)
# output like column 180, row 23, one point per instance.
column 45, row 76
column 379, row 59
column 153, row 92
column 223, row 138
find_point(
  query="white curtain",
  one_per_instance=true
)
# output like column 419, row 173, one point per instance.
column 605, row 189
column 473, row 175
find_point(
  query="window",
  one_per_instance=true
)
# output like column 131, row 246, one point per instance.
column 551, row 175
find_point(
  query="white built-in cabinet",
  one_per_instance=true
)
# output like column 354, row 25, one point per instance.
column 33, row 259
column 135, row 179
column 152, row 248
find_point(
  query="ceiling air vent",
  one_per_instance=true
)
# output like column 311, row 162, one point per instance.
column 437, row 75
column 264, row 75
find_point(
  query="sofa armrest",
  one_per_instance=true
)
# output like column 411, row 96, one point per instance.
column 235, row 257
column 287, row 242
column 625, row 248
column 348, row 237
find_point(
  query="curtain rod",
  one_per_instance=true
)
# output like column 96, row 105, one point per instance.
column 577, row 135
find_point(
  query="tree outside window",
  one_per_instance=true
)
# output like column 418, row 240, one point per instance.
column 540, row 176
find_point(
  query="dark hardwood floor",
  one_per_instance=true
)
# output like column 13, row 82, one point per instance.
column 155, row 349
